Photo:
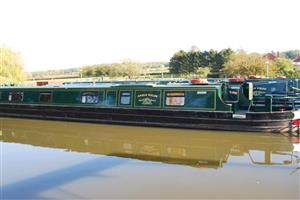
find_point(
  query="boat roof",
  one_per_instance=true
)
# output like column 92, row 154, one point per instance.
column 112, row 85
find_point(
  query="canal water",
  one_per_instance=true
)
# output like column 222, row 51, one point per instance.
column 68, row 160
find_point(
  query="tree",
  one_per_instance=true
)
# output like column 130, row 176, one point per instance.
column 245, row 64
column 87, row 71
column 187, row 63
column 291, row 54
column 195, row 60
column 11, row 66
column 296, row 73
column 131, row 68
column 283, row 67
column 217, row 61
column 126, row 68
column 203, row 72
column 179, row 63
column 98, row 70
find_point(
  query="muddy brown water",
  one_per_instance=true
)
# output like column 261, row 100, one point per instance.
column 68, row 160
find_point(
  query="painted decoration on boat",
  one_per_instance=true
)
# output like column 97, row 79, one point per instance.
column 90, row 97
column 147, row 98
column 175, row 99
column 263, row 88
column 259, row 91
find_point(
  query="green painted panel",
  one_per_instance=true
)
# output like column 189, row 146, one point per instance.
column 31, row 96
column 4, row 96
column 208, row 98
column 200, row 99
column 71, row 97
column 147, row 98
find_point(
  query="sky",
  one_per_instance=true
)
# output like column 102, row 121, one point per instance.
column 57, row 34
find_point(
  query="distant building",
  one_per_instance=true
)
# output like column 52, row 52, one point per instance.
column 270, row 56
column 297, row 61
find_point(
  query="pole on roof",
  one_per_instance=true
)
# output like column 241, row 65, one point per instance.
column 267, row 70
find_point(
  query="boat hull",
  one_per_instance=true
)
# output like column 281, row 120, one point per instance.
column 213, row 120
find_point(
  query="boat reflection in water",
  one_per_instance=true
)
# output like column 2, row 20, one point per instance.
column 202, row 149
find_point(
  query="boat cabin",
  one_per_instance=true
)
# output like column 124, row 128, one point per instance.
column 152, row 96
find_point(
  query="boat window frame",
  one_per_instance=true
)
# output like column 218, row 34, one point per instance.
column 192, row 90
column 111, row 91
column 174, row 96
column 13, row 93
column 44, row 93
column 130, row 92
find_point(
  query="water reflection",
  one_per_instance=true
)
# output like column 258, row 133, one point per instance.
column 31, row 188
column 201, row 149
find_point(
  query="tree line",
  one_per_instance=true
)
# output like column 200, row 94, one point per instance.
column 127, row 68
column 53, row 73
column 193, row 62
column 246, row 65
column 212, row 63
column 227, row 63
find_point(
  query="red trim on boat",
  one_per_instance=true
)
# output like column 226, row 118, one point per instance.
column 296, row 122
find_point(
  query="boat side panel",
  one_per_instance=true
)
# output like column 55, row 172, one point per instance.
column 151, row 117
column 198, row 98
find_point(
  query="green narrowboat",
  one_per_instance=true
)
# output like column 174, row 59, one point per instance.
column 180, row 105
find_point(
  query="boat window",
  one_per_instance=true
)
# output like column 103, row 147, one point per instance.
column 16, row 96
column 45, row 97
column 125, row 98
column 90, row 97
column 233, row 93
column 111, row 98
column 175, row 98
